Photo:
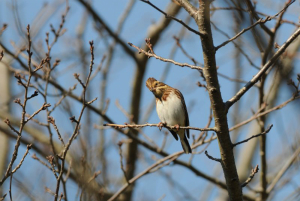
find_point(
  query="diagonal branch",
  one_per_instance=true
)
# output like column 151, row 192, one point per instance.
column 286, row 166
column 260, row 114
column 143, row 173
column 115, row 36
column 237, row 46
column 149, row 54
column 130, row 134
column 253, row 136
column 173, row 158
column 260, row 21
column 253, row 172
column 257, row 77
column 188, row 7
column 171, row 17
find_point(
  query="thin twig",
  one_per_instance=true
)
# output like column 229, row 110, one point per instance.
column 51, row 120
column 260, row 21
column 234, row 79
column 45, row 105
column 99, row 67
column 171, row 157
column 237, row 46
column 11, row 127
column 207, row 125
column 89, row 181
column 253, row 172
column 4, row 26
column 212, row 158
column 171, row 17
column 115, row 36
column 159, row 126
column 165, row 60
column 61, row 99
column 163, row 144
column 45, row 164
column 23, row 158
column 23, row 121
column 264, row 113
column 121, row 161
column 253, row 136
column 95, row 175
column 77, row 127
column 3, row 197
column 129, row 117
column 37, row 121
column 68, row 172
column 285, row 167
column 267, row 66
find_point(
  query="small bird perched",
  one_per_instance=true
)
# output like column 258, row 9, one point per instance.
column 171, row 110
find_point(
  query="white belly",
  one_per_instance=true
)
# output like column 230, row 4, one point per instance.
column 171, row 111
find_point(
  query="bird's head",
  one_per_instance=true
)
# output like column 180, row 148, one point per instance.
column 156, row 87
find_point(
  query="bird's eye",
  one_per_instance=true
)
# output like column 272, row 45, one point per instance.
column 156, row 84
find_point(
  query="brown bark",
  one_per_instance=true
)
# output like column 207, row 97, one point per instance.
column 202, row 18
column 217, row 104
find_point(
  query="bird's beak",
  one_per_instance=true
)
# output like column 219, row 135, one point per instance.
column 151, row 89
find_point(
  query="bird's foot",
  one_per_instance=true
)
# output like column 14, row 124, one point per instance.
column 177, row 127
column 160, row 125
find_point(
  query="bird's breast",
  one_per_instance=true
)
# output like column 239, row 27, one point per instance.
column 171, row 110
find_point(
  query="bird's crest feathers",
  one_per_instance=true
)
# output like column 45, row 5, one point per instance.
column 156, row 87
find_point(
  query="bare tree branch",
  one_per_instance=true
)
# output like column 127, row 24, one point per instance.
column 260, row 21
column 98, row 19
column 212, row 158
column 188, row 7
column 268, row 65
column 159, row 126
column 254, row 136
column 253, row 172
column 171, row 17
column 285, row 167
column 165, row 60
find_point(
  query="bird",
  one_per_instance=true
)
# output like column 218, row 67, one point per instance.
column 171, row 110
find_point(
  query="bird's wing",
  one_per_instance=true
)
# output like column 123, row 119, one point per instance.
column 187, row 122
column 174, row 134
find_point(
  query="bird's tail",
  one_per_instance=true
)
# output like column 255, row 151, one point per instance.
column 185, row 145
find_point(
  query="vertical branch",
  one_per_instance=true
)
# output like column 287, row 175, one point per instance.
column 103, row 88
column 238, row 19
column 23, row 106
column 202, row 18
column 263, row 139
column 57, row 33
column 15, row 152
column 5, row 78
column 77, row 121
column 86, row 140
column 248, row 149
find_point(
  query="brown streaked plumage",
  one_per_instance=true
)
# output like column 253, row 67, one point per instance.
column 171, row 110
